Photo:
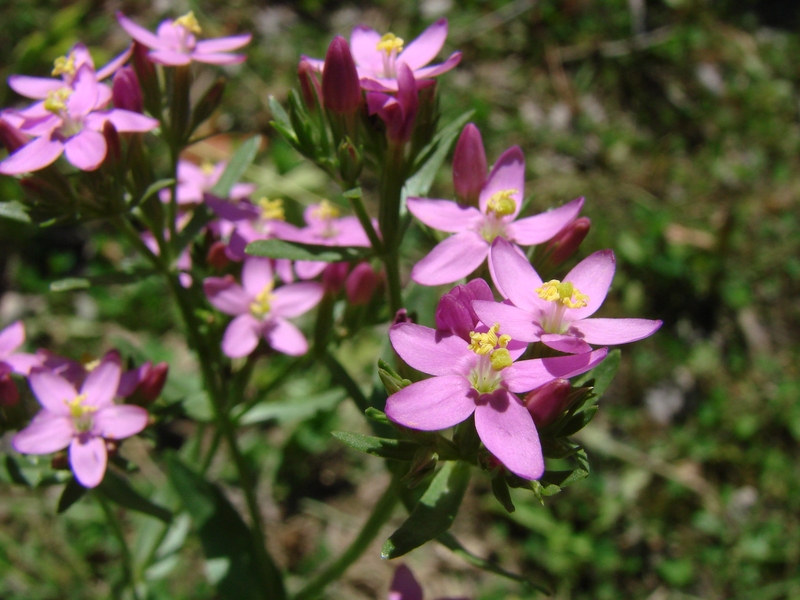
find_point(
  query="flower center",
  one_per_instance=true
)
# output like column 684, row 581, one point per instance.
column 81, row 414
column 326, row 213
column 272, row 209
column 390, row 43
column 493, row 358
column 262, row 303
column 64, row 65
column 207, row 168
column 501, row 204
column 563, row 295
column 189, row 23
column 56, row 101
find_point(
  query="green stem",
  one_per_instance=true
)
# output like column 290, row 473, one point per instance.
column 342, row 377
column 394, row 289
column 116, row 529
column 380, row 515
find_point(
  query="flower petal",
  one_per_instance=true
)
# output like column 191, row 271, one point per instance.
column 86, row 150
column 544, row 226
column 506, row 429
column 297, row 298
column 119, row 421
column 241, row 336
column 430, row 351
column 432, row 404
column 426, row 46
column 52, row 392
column 444, row 215
column 226, row 295
column 46, row 433
column 101, row 384
column 88, row 458
column 223, row 44
column 285, row 337
column 139, row 33
column 35, row 155
column 434, row 70
column 508, row 173
column 256, row 274
column 516, row 322
column 169, row 58
column 34, row 87
column 592, row 276
column 565, row 343
column 23, row 362
column 608, row 332
column 450, row 260
column 514, row 277
column 364, row 48
column 126, row 120
column 218, row 58
column 526, row 375
column 11, row 338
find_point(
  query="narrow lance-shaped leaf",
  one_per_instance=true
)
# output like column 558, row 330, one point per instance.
column 118, row 490
column 241, row 159
column 297, row 251
column 382, row 447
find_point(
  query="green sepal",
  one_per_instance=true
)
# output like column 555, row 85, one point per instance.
column 390, row 379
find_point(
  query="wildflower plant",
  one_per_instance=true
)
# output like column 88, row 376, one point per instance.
column 489, row 392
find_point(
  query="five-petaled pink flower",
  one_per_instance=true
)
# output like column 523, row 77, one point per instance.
column 175, row 44
column 194, row 181
column 475, row 229
column 81, row 420
column 11, row 338
column 378, row 57
column 556, row 312
column 480, row 377
column 260, row 310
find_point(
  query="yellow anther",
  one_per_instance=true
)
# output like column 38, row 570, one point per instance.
column 390, row 43
column 76, row 407
column 64, row 64
column 325, row 211
column 272, row 209
column 56, row 100
column 503, row 340
column 207, row 167
column 91, row 365
column 262, row 303
column 500, row 359
column 484, row 343
column 501, row 203
column 563, row 292
column 189, row 23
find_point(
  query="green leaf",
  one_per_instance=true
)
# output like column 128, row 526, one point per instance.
column 602, row 374
column 390, row 379
column 226, row 540
column 434, row 513
column 82, row 283
column 501, row 493
column 564, row 478
column 291, row 409
column 70, row 283
column 73, row 492
column 378, row 416
column 382, row 447
column 242, row 158
column 117, row 489
column 297, row 251
column 281, row 116
column 14, row 211
column 578, row 421
column 154, row 188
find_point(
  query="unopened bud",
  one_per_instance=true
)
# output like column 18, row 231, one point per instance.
column 402, row 316
column 334, row 275
column 148, row 78
column 11, row 137
column 455, row 314
column 547, row 403
column 114, row 150
column 59, row 462
column 469, row 165
column 152, row 383
column 309, row 85
column 361, row 284
column 9, row 394
column 217, row 257
column 350, row 162
column 341, row 89
column 567, row 241
column 126, row 91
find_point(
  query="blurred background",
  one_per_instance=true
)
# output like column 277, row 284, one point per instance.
column 679, row 122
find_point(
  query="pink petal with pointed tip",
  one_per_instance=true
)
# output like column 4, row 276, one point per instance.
column 526, row 375
column 508, row 173
column 86, row 150
column 450, row 260
column 139, row 33
column 444, row 215
column 426, row 46
column 506, row 429
column 101, row 384
column 432, row 404
column 120, row 421
column 609, row 332
column 434, row 70
column 565, row 343
column 218, row 58
column 34, row 87
column 115, row 64
column 22, row 362
column 11, row 338
column 542, row 227
column 223, row 44
column 33, row 156
column 46, row 433
column 295, row 299
column 592, row 276
column 430, row 351
column 126, row 120
column 516, row 322
column 226, row 295
column 285, row 337
column 241, row 336
column 52, row 392
column 308, row 269
column 364, row 48
column 515, row 278
column 85, row 90
column 88, row 458
column 404, row 586
column 256, row 274
column 169, row 58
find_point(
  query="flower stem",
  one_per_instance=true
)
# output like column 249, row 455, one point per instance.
column 116, row 529
column 380, row 515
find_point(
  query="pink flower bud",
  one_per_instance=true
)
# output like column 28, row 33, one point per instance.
column 362, row 283
column 114, row 149
column 309, row 85
column 217, row 256
column 9, row 394
column 548, row 402
column 341, row 90
column 11, row 137
column 469, row 165
column 153, row 382
column 334, row 275
column 126, row 91
column 567, row 241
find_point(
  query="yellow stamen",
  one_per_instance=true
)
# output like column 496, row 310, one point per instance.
column 390, row 43
column 500, row 359
column 189, row 22
column 76, row 408
column 207, row 167
column 325, row 211
column 494, row 346
column 563, row 292
column 91, row 365
column 262, row 303
column 501, row 203
column 64, row 64
column 272, row 209
column 56, row 100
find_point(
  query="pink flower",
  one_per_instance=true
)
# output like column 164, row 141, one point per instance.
column 475, row 229
column 260, row 310
column 556, row 312
column 81, row 420
column 378, row 58
column 194, row 181
column 72, row 125
column 398, row 112
column 11, row 338
column 480, row 377
column 175, row 43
